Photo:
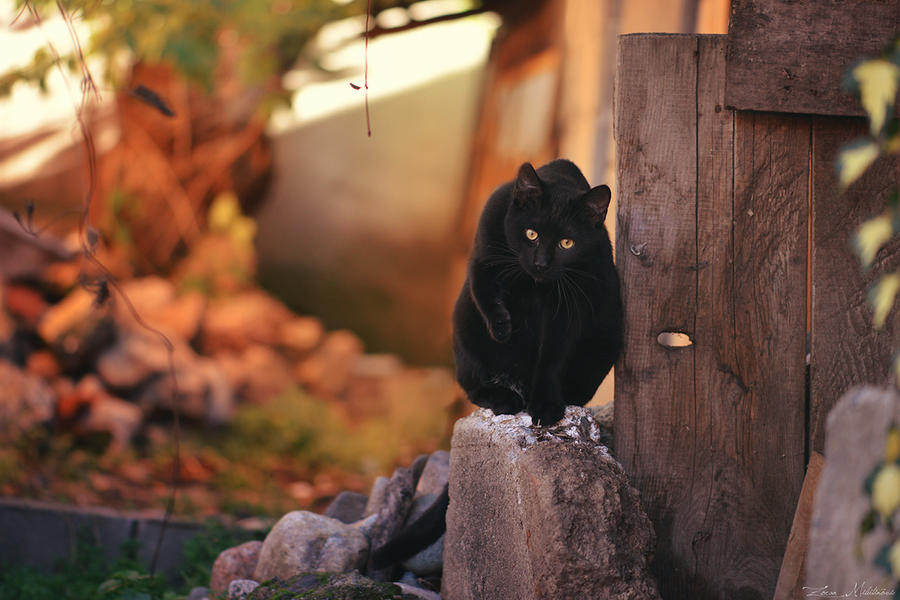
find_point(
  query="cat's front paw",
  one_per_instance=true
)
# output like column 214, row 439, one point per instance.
column 547, row 415
column 500, row 327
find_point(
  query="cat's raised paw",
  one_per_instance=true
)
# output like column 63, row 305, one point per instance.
column 500, row 328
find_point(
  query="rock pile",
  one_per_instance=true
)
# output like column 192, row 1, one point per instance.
column 302, row 546
column 99, row 369
column 535, row 512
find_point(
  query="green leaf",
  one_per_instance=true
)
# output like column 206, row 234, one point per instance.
column 881, row 559
column 854, row 159
column 877, row 81
column 870, row 479
column 881, row 297
column 869, row 521
column 871, row 236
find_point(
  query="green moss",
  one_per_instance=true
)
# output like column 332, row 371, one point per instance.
column 326, row 586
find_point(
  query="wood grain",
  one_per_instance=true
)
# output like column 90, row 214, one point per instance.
column 712, row 242
column 791, row 55
column 845, row 349
column 792, row 576
column 655, row 131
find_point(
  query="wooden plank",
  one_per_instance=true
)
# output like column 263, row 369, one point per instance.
column 655, row 131
column 713, row 435
column 793, row 567
column 791, row 55
column 767, row 452
column 845, row 350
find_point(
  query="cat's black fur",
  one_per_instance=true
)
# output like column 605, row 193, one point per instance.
column 537, row 326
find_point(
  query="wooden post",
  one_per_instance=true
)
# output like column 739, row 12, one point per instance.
column 845, row 349
column 712, row 243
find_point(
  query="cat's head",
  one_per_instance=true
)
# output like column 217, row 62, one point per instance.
column 555, row 221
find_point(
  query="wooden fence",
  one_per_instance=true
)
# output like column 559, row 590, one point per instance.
column 732, row 230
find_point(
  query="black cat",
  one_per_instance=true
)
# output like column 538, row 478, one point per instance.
column 538, row 323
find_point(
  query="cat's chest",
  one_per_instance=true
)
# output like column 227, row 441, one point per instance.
column 536, row 309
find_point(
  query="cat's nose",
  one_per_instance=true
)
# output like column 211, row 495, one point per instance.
column 540, row 266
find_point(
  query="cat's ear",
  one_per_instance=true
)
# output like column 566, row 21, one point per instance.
column 527, row 189
column 596, row 202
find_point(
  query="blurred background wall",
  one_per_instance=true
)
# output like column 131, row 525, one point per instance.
column 372, row 233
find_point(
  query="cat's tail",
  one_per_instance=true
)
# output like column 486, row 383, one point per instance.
column 416, row 536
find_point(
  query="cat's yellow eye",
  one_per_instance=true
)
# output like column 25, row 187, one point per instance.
column 531, row 234
column 566, row 243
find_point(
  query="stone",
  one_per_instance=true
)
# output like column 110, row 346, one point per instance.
column 235, row 322
column 43, row 364
column 25, row 303
column 304, row 541
column 376, row 496
column 377, row 366
column 180, row 319
column 347, row 507
column 603, row 414
column 240, row 589
column 330, row 586
column 25, row 401
column 417, row 592
column 146, row 295
column 65, row 315
column 542, row 512
column 232, row 564
column 856, row 430
column 155, row 301
column 199, row 593
column 430, row 560
column 135, row 357
column 365, row 526
column 256, row 374
column 301, row 335
column 436, row 473
column 204, row 393
column 119, row 418
column 392, row 515
column 327, row 372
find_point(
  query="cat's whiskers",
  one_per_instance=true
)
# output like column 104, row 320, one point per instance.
column 577, row 287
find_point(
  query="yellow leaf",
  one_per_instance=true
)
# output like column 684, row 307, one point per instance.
column 892, row 144
column 871, row 236
column 882, row 298
column 877, row 89
column 886, row 490
column 223, row 211
column 892, row 445
column 854, row 160
column 243, row 230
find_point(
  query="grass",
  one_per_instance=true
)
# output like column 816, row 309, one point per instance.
column 84, row 575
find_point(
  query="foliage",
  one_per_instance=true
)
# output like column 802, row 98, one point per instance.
column 201, row 551
column 876, row 81
column 84, row 575
column 269, row 35
column 223, row 259
column 266, row 36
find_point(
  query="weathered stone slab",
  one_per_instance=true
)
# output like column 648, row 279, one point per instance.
column 855, row 436
column 542, row 513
